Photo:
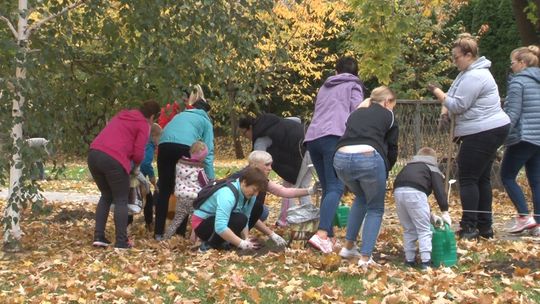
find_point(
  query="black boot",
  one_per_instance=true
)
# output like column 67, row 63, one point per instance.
column 468, row 233
column 486, row 232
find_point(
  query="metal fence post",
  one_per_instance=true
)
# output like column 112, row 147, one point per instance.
column 417, row 127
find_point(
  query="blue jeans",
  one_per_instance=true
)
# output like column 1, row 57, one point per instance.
column 515, row 157
column 365, row 176
column 322, row 152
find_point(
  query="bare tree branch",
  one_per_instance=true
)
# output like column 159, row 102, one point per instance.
column 39, row 23
column 11, row 27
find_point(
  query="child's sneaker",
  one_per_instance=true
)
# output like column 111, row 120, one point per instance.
column 101, row 242
column 159, row 237
column 135, row 208
column 349, row 253
column 426, row 265
column 204, row 247
column 522, row 223
column 324, row 245
column 411, row 264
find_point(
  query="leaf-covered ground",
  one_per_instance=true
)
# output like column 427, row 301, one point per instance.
column 59, row 265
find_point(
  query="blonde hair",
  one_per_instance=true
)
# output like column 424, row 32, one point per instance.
column 527, row 54
column 197, row 147
column 381, row 94
column 196, row 94
column 259, row 157
column 466, row 44
column 427, row 151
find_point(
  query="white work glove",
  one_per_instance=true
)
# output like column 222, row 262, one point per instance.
column 247, row 245
column 278, row 239
column 436, row 220
column 446, row 218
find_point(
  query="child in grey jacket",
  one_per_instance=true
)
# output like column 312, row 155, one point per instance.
column 412, row 186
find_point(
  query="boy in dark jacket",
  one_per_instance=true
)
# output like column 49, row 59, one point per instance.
column 412, row 186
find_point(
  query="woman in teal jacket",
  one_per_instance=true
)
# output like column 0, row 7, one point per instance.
column 178, row 135
column 523, row 143
column 224, row 218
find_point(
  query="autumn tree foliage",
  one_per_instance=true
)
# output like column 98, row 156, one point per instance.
column 404, row 44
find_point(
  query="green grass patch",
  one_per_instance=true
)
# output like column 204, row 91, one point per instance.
column 499, row 256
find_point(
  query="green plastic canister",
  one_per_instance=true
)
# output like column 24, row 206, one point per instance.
column 443, row 246
column 342, row 215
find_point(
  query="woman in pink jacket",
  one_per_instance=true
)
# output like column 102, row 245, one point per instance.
column 111, row 155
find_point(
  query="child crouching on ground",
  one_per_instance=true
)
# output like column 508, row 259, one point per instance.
column 412, row 186
column 190, row 178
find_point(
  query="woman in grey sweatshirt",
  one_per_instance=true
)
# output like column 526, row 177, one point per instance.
column 481, row 127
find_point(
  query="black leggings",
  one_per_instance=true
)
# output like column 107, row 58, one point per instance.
column 113, row 183
column 168, row 156
column 475, row 159
column 206, row 232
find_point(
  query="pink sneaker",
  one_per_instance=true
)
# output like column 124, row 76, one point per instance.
column 522, row 223
column 324, row 245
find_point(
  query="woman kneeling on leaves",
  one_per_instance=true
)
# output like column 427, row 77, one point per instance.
column 222, row 220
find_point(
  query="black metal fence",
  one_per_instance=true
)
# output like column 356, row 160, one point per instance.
column 418, row 127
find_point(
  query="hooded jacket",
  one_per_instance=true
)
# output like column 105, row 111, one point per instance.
column 188, row 127
column 474, row 100
column 286, row 148
column 336, row 100
column 423, row 174
column 124, row 138
column 522, row 104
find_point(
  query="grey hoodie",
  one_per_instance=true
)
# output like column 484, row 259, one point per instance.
column 522, row 104
column 474, row 100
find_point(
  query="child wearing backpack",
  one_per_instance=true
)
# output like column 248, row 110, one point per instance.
column 190, row 178
column 412, row 185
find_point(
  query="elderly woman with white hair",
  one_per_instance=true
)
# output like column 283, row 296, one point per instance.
column 263, row 161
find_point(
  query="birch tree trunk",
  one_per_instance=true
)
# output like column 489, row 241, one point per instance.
column 16, row 196
column 12, row 228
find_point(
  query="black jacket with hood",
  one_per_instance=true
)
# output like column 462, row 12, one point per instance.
column 287, row 149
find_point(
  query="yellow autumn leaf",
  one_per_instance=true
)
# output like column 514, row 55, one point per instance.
column 171, row 277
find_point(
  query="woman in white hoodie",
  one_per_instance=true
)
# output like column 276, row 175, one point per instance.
column 481, row 127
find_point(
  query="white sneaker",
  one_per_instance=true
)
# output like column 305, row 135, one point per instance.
column 132, row 208
column 522, row 223
column 368, row 263
column 135, row 208
column 349, row 253
column 324, row 245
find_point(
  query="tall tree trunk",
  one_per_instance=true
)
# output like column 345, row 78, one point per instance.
column 528, row 32
column 12, row 228
column 231, row 95
column 12, row 213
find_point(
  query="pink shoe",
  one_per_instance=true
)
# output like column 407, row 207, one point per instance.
column 324, row 245
column 522, row 223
